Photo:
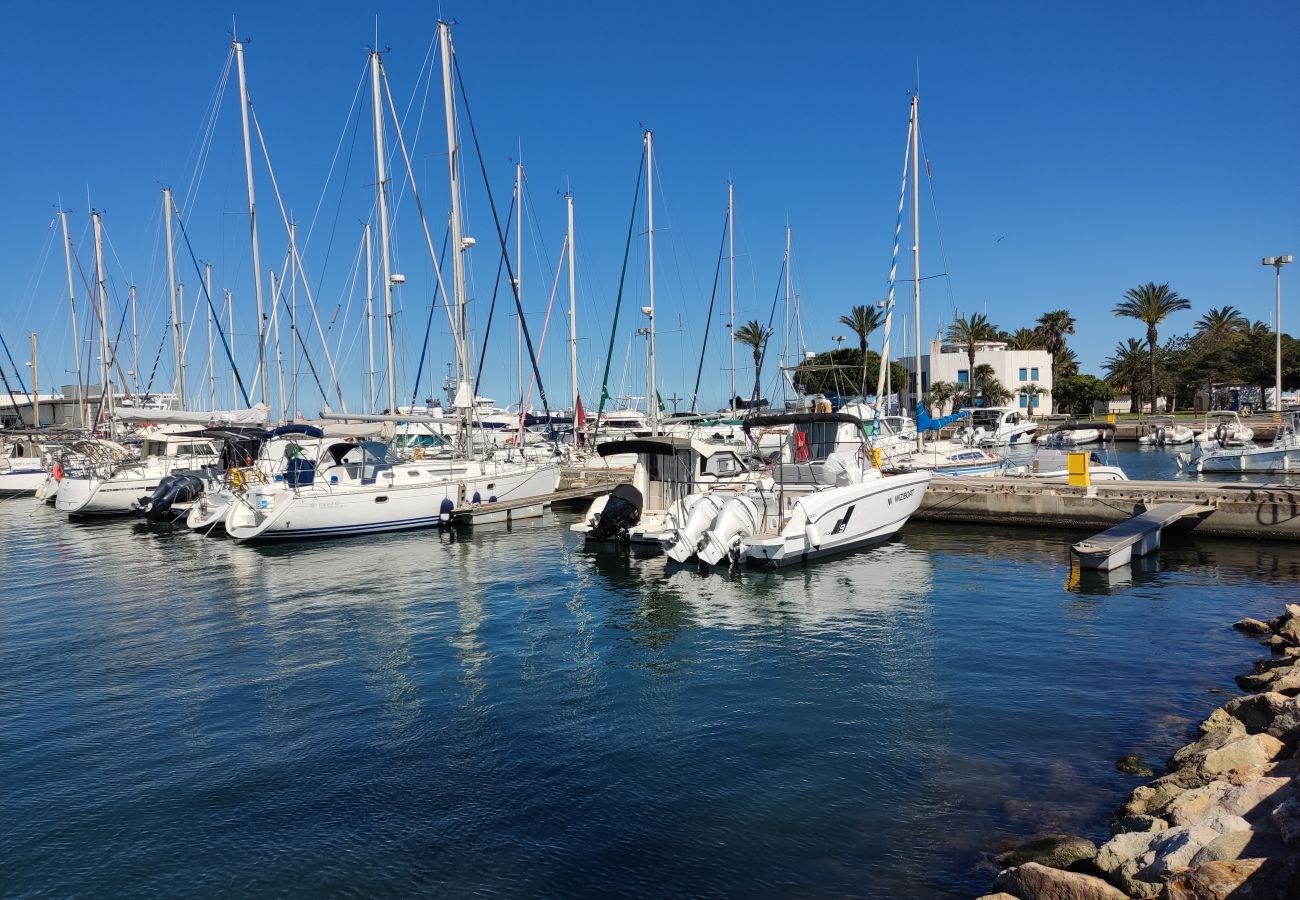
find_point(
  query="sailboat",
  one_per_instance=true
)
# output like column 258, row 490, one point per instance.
column 351, row 486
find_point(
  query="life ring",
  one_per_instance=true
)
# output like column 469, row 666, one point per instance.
column 57, row 471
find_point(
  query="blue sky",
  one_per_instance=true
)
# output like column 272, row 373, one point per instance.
column 1076, row 151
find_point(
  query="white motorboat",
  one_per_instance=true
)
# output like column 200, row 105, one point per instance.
column 109, row 485
column 996, row 426
column 671, row 478
column 22, row 466
column 949, row 459
column 1283, row 455
column 1227, row 430
column 1052, row 465
column 1166, row 432
column 831, row 499
column 1072, row 434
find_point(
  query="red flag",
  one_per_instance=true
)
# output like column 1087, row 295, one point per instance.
column 579, row 415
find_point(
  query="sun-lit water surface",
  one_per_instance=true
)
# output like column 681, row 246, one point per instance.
column 507, row 714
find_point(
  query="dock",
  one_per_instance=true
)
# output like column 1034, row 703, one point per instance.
column 1139, row 536
column 575, row 485
column 1255, row 511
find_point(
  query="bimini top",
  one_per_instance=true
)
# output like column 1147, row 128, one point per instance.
column 654, row 446
column 806, row 418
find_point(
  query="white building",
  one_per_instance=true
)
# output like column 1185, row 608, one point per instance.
column 1015, row 369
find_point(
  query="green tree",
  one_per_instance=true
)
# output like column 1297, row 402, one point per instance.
column 1033, row 391
column 966, row 332
column 862, row 320
column 1151, row 304
column 1025, row 339
column 1125, row 370
column 1065, row 364
column 1055, row 327
column 941, row 393
column 1077, row 394
column 754, row 335
column 1218, row 335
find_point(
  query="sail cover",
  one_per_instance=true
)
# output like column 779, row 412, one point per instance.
column 255, row 416
column 925, row 423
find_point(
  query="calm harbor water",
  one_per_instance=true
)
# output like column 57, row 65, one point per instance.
column 506, row 714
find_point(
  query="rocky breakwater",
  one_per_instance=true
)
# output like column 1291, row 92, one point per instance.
column 1222, row 822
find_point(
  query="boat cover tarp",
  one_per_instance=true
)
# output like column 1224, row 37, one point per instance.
column 254, row 416
column 653, row 446
column 925, row 423
column 803, row 418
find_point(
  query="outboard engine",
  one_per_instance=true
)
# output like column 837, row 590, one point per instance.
column 739, row 518
column 179, row 487
column 689, row 535
column 622, row 511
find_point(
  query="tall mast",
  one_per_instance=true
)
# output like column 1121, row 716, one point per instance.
column 101, row 290
column 252, row 218
column 916, row 264
column 652, row 399
column 275, row 336
column 519, row 280
column 212, row 372
column 178, row 329
column 458, row 240
column 785, row 346
column 36, row 396
column 370, row 321
column 292, row 409
column 230, row 319
column 135, row 340
column 72, row 304
column 731, row 276
column 573, row 319
column 381, row 191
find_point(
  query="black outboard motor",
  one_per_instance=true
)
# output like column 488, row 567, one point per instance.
column 622, row 511
column 179, row 487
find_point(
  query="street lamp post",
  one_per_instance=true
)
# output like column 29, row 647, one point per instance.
column 1277, row 262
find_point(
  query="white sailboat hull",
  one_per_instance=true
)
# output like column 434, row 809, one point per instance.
column 276, row 511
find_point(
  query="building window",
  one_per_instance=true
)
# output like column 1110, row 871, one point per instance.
column 963, row 376
column 925, row 382
column 1024, row 374
column 1024, row 401
column 1033, row 374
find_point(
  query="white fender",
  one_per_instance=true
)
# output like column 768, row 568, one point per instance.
column 813, row 534
column 704, row 511
column 737, row 520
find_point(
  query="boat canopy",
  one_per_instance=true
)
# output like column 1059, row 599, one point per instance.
column 804, row 418
column 653, row 446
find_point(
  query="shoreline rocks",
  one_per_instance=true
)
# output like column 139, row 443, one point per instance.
column 1222, row 821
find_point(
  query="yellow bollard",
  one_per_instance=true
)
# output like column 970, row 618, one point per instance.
column 1110, row 418
column 1077, row 469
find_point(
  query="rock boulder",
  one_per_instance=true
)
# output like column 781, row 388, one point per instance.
column 1045, row 883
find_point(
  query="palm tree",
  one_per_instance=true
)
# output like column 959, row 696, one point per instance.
column 1217, row 332
column 1065, row 363
column 1151, row 304
column 862, row 320
column 1223, row 321
column 1025, row 339
column 1055, row 327
column 939, row 395
column 1125, row 368
column 969, row 331
column 754, row 335
column 1033, row 391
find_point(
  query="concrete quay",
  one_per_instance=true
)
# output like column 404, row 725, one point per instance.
column 1239, row 510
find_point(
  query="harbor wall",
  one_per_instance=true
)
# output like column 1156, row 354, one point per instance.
column 1256, row 511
